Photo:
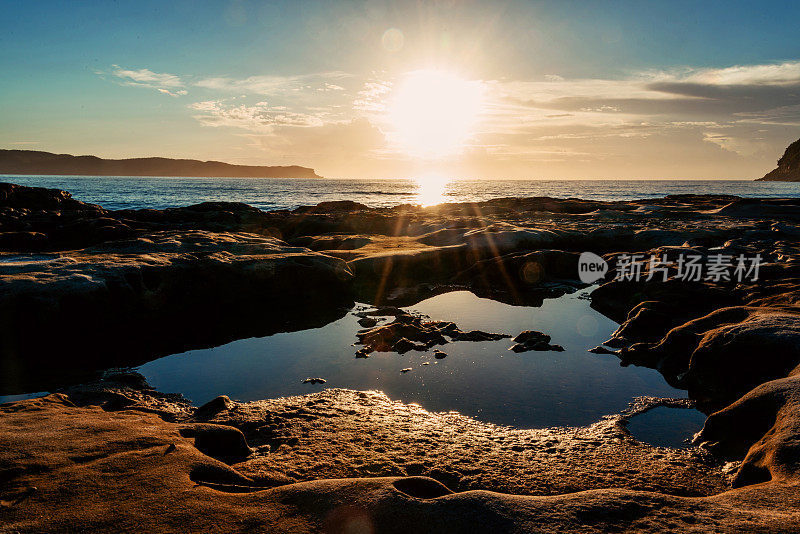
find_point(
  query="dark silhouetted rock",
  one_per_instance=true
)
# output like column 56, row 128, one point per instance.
column 475, row 335
column 314, row 381
column 533, row 340
column 367, row 322
column 602, row 350
column 788, row 169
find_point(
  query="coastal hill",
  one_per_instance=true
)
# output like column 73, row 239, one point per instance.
column 37, row 162
column 788, row 166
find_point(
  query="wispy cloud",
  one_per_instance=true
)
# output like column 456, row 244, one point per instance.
column 178, row 85
column 692, row 99
column 258, row 117
column 786, row 73
column 370, row 99
column 275, row 85
column 740, row 88
column 164, row 83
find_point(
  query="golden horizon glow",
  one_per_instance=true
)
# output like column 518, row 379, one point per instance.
column 432, row 113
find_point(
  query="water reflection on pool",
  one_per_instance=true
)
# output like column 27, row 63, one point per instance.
column 482, row 379
column 667, row 427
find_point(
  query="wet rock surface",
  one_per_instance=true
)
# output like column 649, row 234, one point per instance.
column 408, row 332
column 533, row 340
column 183, row 277
column 323, row 453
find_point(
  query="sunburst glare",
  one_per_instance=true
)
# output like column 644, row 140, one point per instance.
column 432, row 113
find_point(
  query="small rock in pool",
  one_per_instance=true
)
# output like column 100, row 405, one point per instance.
column 367, row 322
column 407, row 369
column 532, row 336
column 540, row 347
column 475, row 335
column 602, row 350
column 314, row 381
column 386, row 311
column 363, row 353
column 438, row 354
column 533, row 340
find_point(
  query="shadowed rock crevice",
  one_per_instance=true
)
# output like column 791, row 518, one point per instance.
column 421, row 487
column 222, row 442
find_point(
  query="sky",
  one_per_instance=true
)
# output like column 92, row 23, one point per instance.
column 379, row 89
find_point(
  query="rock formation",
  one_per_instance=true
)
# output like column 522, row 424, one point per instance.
column 788, row 169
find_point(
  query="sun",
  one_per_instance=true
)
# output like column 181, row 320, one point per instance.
column 432, row 113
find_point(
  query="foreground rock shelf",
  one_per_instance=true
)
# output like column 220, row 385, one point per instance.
column 83, row 288
column 138, row 459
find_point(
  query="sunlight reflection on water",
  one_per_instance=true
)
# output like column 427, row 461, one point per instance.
column 431, row 188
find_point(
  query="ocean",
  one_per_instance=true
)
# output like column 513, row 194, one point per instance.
column 277, row 193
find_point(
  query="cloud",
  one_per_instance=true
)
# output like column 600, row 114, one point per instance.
column 259, row 117
column 780, row 116
column 722, row 107
column 370, row 98
column 164, row 83
column 175, row 85
column 770, row 74
column 252, row 84
column 275, row 85
column 695, row 92
column 345, row 140
column 180, row 92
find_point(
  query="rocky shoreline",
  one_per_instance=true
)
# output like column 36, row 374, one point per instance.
column 83, row 289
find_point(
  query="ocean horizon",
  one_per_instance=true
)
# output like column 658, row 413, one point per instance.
column 147, row 192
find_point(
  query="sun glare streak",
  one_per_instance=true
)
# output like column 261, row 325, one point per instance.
column 432, row 113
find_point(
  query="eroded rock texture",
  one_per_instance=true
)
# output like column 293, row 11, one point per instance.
column 135, row 459
column 298, row 464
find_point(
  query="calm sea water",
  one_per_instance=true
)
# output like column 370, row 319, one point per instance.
column 268, row 194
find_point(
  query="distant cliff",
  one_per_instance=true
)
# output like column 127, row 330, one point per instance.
column 36, row 162
column 788, row 166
